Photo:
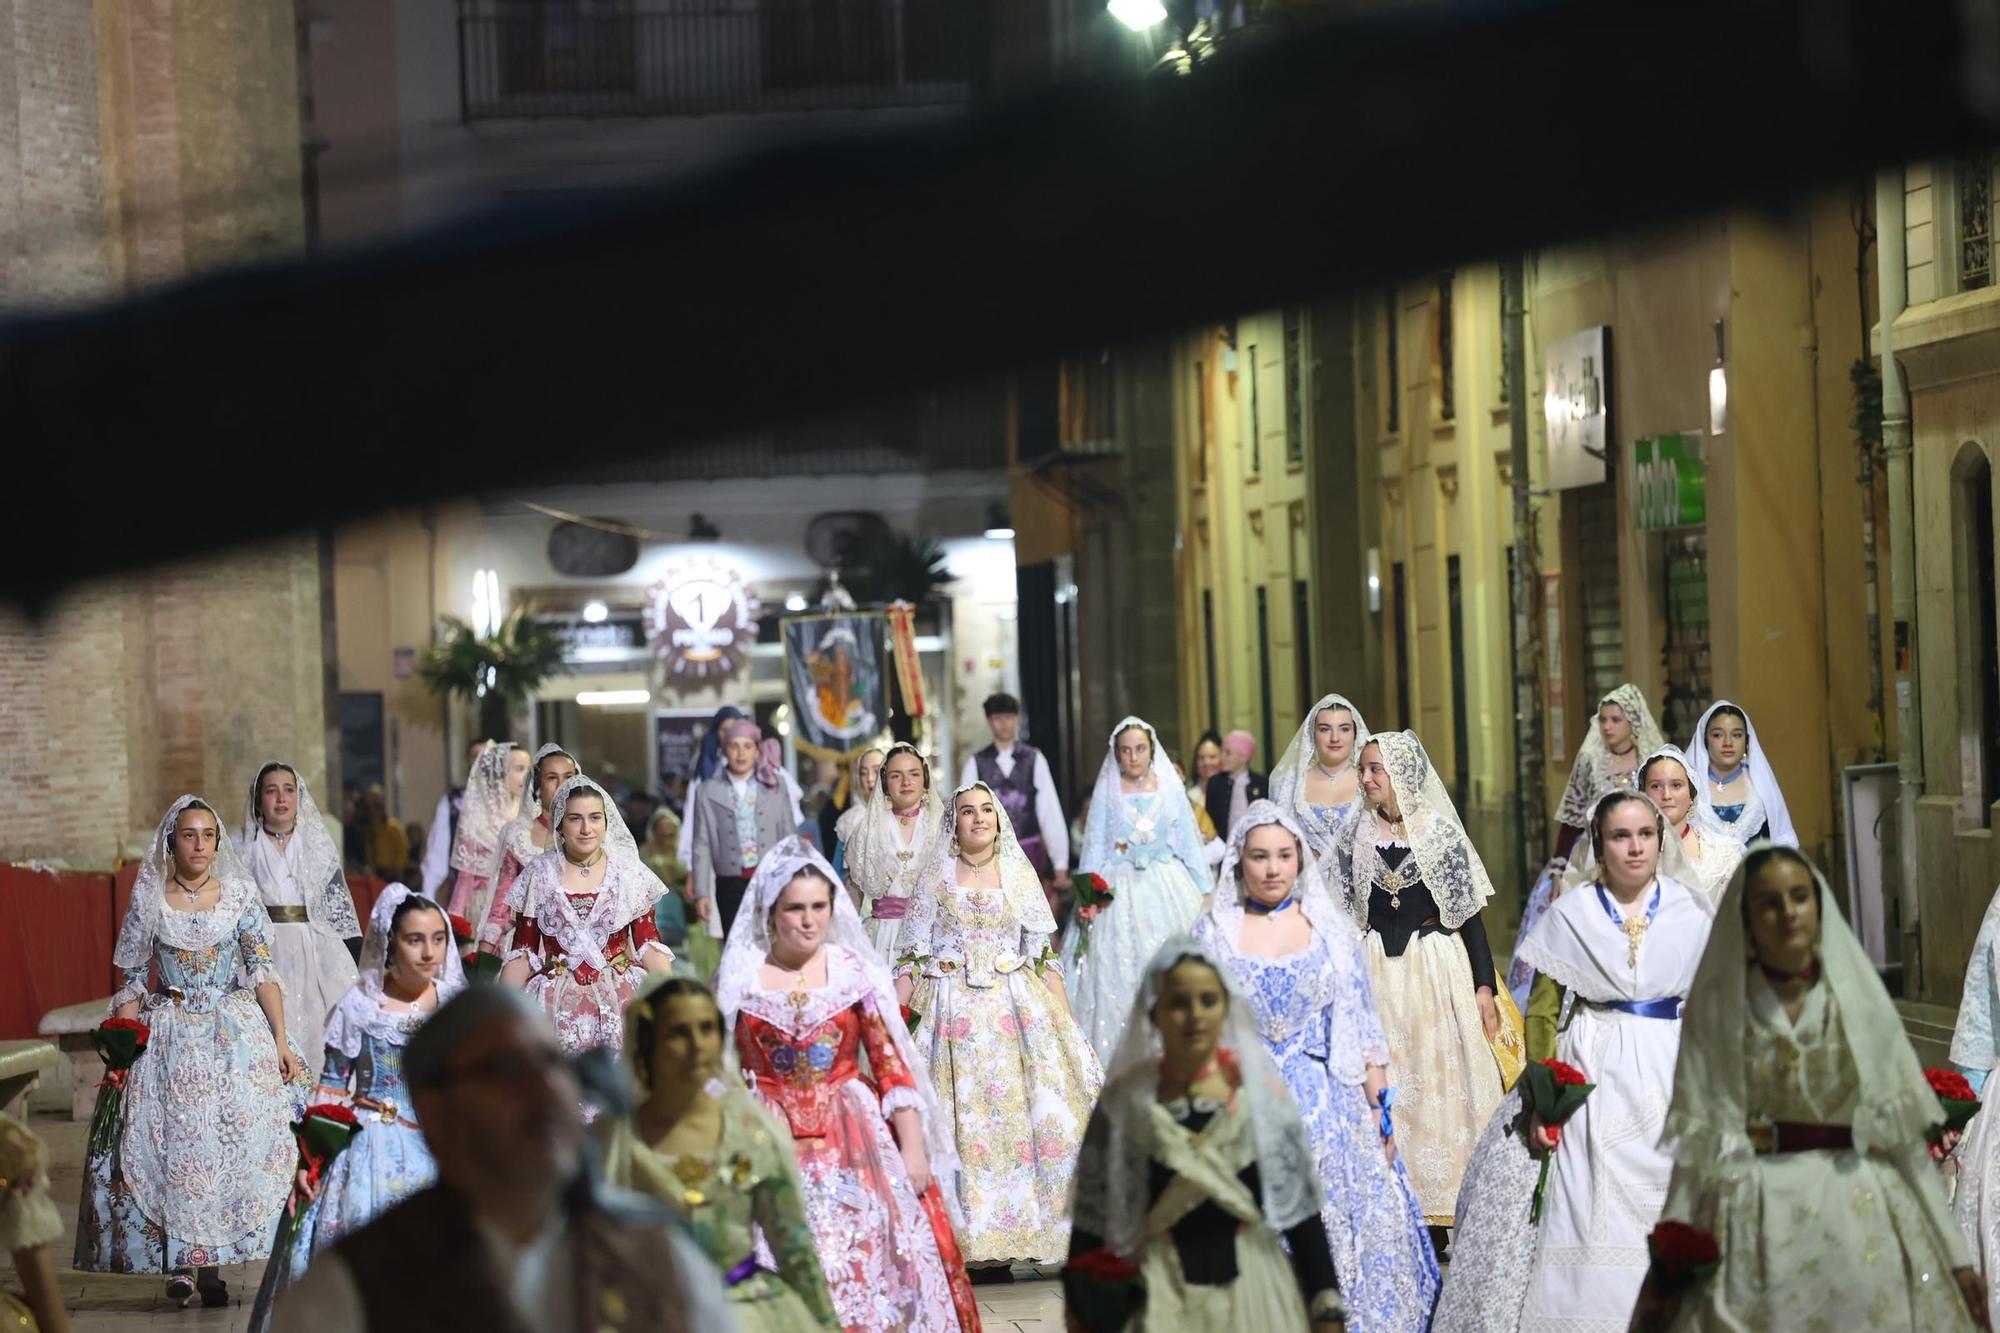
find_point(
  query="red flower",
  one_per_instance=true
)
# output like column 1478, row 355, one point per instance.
column 1682, row 1255
column 910, row 1017
column 1566, row 1076
column 332, row 1111
column 1950, row 1085
column 129, row 1025
column 1101, row 1265
column 461, row 929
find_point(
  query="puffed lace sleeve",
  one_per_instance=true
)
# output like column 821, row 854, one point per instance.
column 1581, row 793
column 254, row 940
column 134, row 988
column 1038, row 924
column 29, row 1219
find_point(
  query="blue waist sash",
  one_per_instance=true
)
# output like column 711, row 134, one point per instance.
column 1667, row 1006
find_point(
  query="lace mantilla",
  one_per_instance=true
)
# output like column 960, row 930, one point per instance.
column 1446, row 860
column 321, row 880
column 1116, row 816
column 1592, row 775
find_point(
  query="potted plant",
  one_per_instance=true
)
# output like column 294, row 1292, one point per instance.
column 497, row 672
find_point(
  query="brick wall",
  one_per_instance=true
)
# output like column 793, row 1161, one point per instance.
column 141, row 140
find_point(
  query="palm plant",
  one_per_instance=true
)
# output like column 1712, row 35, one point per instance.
column 878, row 568
column 498, row 672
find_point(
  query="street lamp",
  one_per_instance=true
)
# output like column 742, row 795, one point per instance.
column 1138, row 15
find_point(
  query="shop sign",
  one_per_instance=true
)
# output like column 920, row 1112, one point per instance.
column 1669, row 482
column 701, row 620
column 1576, row 400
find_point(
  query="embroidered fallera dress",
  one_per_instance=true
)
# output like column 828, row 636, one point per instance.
column 744, row 1191
column 587, row 951
column 1316, row 1017
column 890, row 1258
column 203, row 1158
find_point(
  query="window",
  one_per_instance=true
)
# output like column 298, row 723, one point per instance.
column 1975, row 221
column 1264, row 663
column 1208, row 649
column 1442, row 353
column 1392, row 390
column 1295, row 394
column 566, row 46
column 1400, row 611
column 1201, row 423
column 1509, row 300
column 1088, row 403
column 1461, row 721
column 1302, row 633
column 1256, row 419
column 1978, row 646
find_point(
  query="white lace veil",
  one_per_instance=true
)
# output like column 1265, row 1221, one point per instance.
column 1590, row 776
column 1709, row 1113
column 636, row 878
column 873, row 865
column 1446, row 859
column 1315, row 897
column 145, row 916
column 1113, row 1176
column 329, row 905
column 1674, row 863
column 749, row 945
column 1972, row 1044
column 1017, row 875
column 531, row 794
column 1768, row 803
column 1288, row 779
column 485, row 810
column 1172, row 820
column 375, row 947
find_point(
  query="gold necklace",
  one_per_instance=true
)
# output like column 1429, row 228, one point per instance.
column 971, row 864
column 588, row 862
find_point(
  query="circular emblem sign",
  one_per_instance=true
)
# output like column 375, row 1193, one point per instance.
column 701, row 619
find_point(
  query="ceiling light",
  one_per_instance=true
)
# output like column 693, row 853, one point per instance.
column 1138, row 15
column 595, row 612
column 613, row 698
column 999, row 527
column 795, row 601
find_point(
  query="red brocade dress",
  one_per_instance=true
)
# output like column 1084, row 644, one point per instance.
column 891, row 1259
column 587, row 951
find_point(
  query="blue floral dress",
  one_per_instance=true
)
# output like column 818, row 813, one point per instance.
column 203, row 1157
column 1316, row 1015
column 387, row 1161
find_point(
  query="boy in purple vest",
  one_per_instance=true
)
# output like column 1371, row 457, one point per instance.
column 1019, row 775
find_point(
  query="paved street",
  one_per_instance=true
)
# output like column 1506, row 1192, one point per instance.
column 100, row 1304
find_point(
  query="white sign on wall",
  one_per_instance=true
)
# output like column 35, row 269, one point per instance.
column 1576, row 398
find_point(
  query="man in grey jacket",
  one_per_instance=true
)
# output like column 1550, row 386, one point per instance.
column 738, row 814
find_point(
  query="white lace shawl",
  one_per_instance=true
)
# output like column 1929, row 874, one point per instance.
column 485, row 810
column 1720, row 850
column 361, row 1011
column 627, row 894
column 854, row 970
column 1288, row 779
column 930, row 933
column 1579, row 948
column 322, row 881
column 1591, row 777
column 1446, row 859
column 875, row 868
column 1765, row 802
column 1113, row 1171
column 1709, row 1114
column 1112, row 809
column 1972, row 1044
column 149, row 920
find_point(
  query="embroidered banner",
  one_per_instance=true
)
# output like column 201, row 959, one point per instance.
column 838, row 681
column 903, row 646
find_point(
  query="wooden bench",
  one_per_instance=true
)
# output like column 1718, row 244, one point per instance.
column 70, row 1028
column 22, row 1065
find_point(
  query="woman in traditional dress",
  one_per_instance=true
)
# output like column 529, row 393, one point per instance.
column 1607, row 760
column 809, row 998
column 670, row 914
column 1197, row 1169
column 888, row 846
column 526, row 836
column 1798, row 1121
column 1015, row 1074
column 586, row 936
column 1737, row 788
column 1141, row 840
column 1712, row 855
column 864, row 779
column 29, row 1224
column 1317, row 781
column 1414, row 882
column 703, row 1146
column 202, row 1157
column 409, row 966
column 1277, row 931
column 1976, row 1199
column 286, row 847
column 492, row 801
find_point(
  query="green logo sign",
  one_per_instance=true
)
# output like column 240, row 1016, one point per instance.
column 1670, row 482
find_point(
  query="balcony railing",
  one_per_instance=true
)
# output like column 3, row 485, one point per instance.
column 571, row 58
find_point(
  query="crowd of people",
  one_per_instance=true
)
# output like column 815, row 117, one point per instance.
column 1249, row 1060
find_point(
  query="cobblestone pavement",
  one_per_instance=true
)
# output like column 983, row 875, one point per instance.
column 102, row 1304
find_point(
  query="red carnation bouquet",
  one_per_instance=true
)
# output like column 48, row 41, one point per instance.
column 119, row 1042
column 1093, row 895
column 322, row 1135
column 1553, row 1092
column 1102, row 1291
column 1682, row 1256
column 911, row 1018
column 479, row 966
column 1960, row 1104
